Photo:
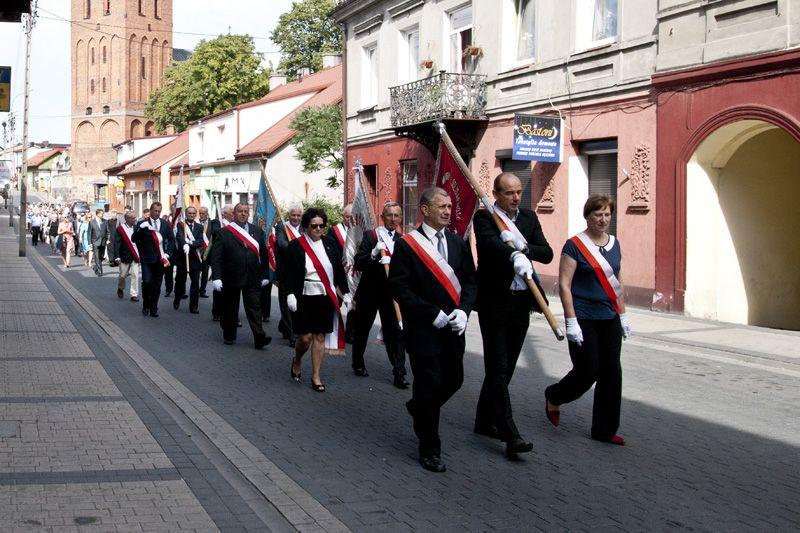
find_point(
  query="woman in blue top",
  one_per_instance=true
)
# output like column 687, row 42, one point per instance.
column 595, row 323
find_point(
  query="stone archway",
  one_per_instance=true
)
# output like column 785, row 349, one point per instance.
column 741, row 252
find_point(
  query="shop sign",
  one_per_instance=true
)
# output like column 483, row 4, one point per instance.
column 5, row 89
column 236, row 184
column 537, row 138
column 148, row 185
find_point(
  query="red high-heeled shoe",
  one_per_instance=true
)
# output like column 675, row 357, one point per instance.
column 553, row 416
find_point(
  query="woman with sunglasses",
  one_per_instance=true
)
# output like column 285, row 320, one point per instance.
column 317, row 284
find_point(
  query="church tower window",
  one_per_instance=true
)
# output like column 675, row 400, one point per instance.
column 87, row 9
column 106, row 7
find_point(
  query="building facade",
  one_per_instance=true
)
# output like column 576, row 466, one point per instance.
column 639, row 86
column 120, row 50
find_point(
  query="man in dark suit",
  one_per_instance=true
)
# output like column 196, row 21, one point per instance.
column 206, row 223
column 189, row 241
column 126, row 256
column 156, row 244
column 98, row 237
column 373, row 297
column 169, row 270
column 505, row 303
column 436, row 302
column 337, row 236
column 214, row 228
column 286, row 232
column 239, row 268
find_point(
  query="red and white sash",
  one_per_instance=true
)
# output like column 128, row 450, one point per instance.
column 205, row 236
column 159, row 240
column 291, row 232
column 605, row 274
column 341, row 234
column 382, row 234
column 126, row 237
column 189, row 238
column 273, row 259
column 433, row 261
column 335, row 339
column 509, row 225
column 243, row 237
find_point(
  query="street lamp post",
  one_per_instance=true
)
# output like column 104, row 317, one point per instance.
column 23, row 187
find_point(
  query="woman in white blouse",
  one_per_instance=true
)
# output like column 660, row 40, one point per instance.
column 312, row 293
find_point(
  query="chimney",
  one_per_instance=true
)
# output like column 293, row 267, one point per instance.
column 302, row 72
column 276, row 80
column 331, row 59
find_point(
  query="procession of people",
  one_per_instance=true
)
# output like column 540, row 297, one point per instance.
column 424, row 286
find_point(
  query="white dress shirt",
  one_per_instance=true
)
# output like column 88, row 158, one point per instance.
column 312, row 285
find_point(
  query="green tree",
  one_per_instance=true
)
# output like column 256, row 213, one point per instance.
column 304, row 33
column 221, row 73
column 319, row 141
column 333, row 210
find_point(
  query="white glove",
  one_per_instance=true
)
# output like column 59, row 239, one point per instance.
column 291, row 303
column 217, row 285
column 574, row 333
column 118, row 261
column 626, row 325
column 509, row 236
column 166, row 256
column 458, row 321
column 264, row 282
column 522, row 265
column 386, row 260
column 441, row 320
column 186, row 248
column 400, row 324
column 146, row 225
column 377, row 250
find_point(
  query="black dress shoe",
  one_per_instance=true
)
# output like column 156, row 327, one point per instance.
column 488, row 432
column 154, row 314
column 228, row 341
column 361, row 372
column 185, row 297
column 410, row 407
column 238, row 323
column 120, row 294
column 203, row 295
column 433, row 463
column 262, row 341
column 134, row 299
column 400, row 382
column 176, row 304
column 194, row 311
column 145, row 312
column 518, row 445
column 292, row 343
column 167, row 294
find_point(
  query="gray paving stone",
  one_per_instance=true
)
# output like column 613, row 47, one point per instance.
column 35, row 323
column 54, row 378
column 42, row 344
column 33, row 308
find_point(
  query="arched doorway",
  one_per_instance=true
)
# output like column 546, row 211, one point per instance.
column 742, row 246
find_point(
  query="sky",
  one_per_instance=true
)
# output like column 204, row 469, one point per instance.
column 50, row 53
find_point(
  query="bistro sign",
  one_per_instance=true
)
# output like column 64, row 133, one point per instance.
column 537, row 138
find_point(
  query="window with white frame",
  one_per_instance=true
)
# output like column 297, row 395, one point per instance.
column 411, row 54
column 525, row 29
column 596, row 23
column 369, row 76
column 410, row 195
column 460, row 37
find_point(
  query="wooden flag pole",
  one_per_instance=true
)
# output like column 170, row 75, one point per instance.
column 537, row 295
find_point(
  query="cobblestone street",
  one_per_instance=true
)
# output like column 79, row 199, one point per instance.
column 114, row 421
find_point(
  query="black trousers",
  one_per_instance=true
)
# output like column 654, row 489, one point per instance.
column 349, row 326
column 152, row 274
column 504, row 325
column 250, row 297
column 204, row 277
column 35, row 232
column 438, row 374
column 169, row 282
column 99, row 255
column 266, row 301
column 285, row 325
column 392, row 336
column 194, row 284
column 595, row 361
column 216, row 304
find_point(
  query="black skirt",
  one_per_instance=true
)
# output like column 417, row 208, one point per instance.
column 314, row 315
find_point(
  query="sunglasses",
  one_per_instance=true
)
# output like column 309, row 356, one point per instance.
column 317, row 226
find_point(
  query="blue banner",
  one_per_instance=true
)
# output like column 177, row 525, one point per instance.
column 537, row 138
column 5, row 89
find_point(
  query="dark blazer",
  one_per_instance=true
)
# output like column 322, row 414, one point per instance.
column 112, row 228
column 334, row 240
column 236, row 264
column 195, row 262
column 421, row 296
column 147, row 245
column 295, row 265
column 120, row 250
column 98, row 232
column 373, row 285
column 495, row 269
column 281, row 246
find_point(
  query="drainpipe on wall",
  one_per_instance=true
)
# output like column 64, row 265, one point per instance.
column 346, row 168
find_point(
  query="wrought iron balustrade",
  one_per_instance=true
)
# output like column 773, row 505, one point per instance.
column 443, row 96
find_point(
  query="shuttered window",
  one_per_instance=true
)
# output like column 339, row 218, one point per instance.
column 522, row 169
column 603, row 180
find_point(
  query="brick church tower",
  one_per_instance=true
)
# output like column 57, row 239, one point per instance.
column 120, row 50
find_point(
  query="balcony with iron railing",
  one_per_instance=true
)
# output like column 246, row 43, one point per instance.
column 444, row 96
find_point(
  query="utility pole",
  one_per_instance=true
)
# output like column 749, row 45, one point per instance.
column 23, row 185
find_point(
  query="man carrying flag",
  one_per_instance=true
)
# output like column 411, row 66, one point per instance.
column 206, row 223
column 189, row 237
column 505, row 302
column 286, row 232
column 432, row 277
column 337, row 235
column 154, row 240
column 239, row 269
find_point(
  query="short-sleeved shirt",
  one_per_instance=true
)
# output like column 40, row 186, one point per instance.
column 588, row 297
